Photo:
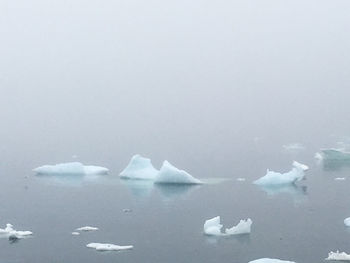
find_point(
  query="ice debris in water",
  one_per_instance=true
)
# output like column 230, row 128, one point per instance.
column 11, row 233
column 169, row 174
column 338, row 256
column 270, row 260
column 340, row 178
column 294, row 147
column 274, row 178
column 318, row 156
column 139, row 168
column 300, row 165
column 241, row 179
column 75, row 233
column 73, row 168
column 107, row 247
column 87, row 228
column 347, row 221
column 335, row 154
column 212, row 227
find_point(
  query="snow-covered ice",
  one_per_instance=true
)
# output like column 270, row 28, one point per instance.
column 169, row 174
column 75, row 233
column 72, row 168
column 107, row 247
column 212, row 227
column 11, row 233
column 340, row 178
column 275, row 178
column 270, row 260
column 243, row 227
column 87, row 228
column 347, row 221
column 139, row 168
column 304, row 167
column 338, row 256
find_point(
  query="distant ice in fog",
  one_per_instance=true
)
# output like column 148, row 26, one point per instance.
column 169, row 174
column 72, row 168
column 275, row 178
column 338, row 256
column 107, row 247
column 340, row 178
column 139, row 168
column 335, row 154
column 240, row 179
column 304, row 167
column 294, row 147
column 347, row 221
column 270, row 260
column 13, row 234
column 87, row 228
column 212, row 227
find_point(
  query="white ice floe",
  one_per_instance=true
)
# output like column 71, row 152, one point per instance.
column 347, row 221
column 270, row 260
column 340, row 178
column 274, row 178
column 212, row 227
column 169, row 174
column 73, row 168
column 107, row 247
column 87, row 228
column 75, row 233
column 338, row 256
column 294, row 147
column 241, row 179
column 11, row 233
column 300, row 165
column 139, row 168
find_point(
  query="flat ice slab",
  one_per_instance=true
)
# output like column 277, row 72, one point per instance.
column 11, row 233
column 212, row 227
column 275, row 178
column 73, row 168
column 347, row 221
column 139, row 168
column 338, row 256
column 270, row 260
column 87, row 228
column 169, row 174
column 108, row 247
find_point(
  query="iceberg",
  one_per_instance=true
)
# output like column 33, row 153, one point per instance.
column 169, row 174
column 335, row 154
column 139, row 168
column 13, row 234
column 87, row 228
column 270, row 260
column 274, row 178
column 107, row 247
column 338, row 256
column 347, row 221
column 73, row 168
column 212, row 227
column 243, row 227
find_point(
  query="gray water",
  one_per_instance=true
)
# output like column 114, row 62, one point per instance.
column 216, row 88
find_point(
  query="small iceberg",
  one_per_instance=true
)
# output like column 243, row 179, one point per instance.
column 347, row 221
column 13, row 234
column 212, row 227
column 338, row 256
column 270, row 260
column 274, row 178
column 87, row 228
column 335, row 154
column 169, row 174
column 107, row 247
column 340, row 178
column 303, row 167
column 75, row 233
column 73, row 168
column 139, row 168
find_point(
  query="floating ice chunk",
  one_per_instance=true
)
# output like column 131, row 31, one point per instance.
column 347, row 221
column 12, row 234
column 273, row 178
column 212, row 227
column 338, row 256
column 139, row 168
column 304, row 167
column 169, row 174
column 294, row 147
column 340, row 178
column 318, row 156
column 335, row 154
column 270, row 260
column 73, row 168
column 243, row 227
column 87, row 228
column 107, row 247
column 75, row 233
column 241, row 179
